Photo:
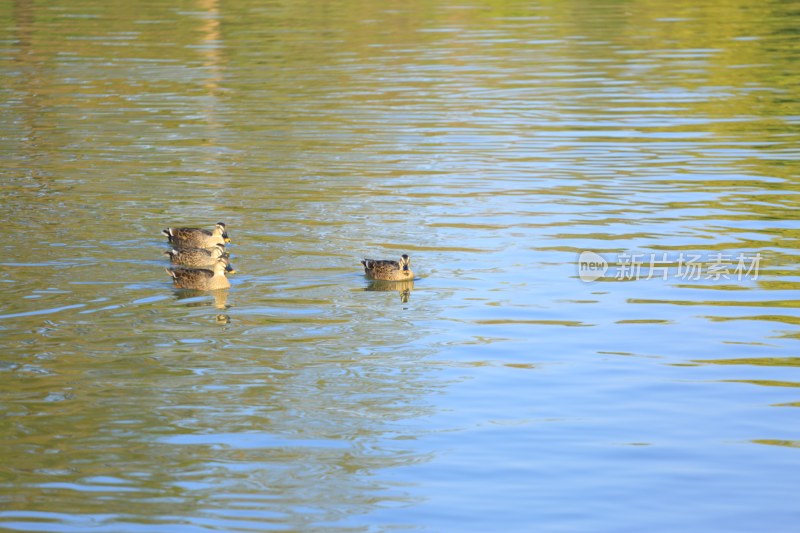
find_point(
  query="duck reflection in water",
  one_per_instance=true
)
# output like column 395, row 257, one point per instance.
column 404, row 288
column 200, row 298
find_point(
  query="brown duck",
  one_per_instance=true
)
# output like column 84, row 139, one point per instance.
column 197, row 237
column 197, row 257
column 200, row 278
column 387, row 270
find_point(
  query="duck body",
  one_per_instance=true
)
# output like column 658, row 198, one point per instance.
column 197, row 257
column 387, row 270
column 201, row 278
column 197, row 237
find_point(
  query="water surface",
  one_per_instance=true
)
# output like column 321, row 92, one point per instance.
column 491, row 141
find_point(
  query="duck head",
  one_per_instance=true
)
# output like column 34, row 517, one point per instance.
column 222, row 231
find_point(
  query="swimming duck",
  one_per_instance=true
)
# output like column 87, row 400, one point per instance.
column 200, row 278
column 388, row 270
column 197, row 237
column 197, row 257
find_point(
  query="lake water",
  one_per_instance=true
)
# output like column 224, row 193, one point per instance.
column 494, row 142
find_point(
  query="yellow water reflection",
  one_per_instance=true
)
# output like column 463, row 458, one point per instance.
column 759, row 361
column 775, row 442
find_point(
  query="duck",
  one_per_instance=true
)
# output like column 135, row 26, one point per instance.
column 197, row 237
column 387, row 270
column 201, row 279
column 197, row 257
